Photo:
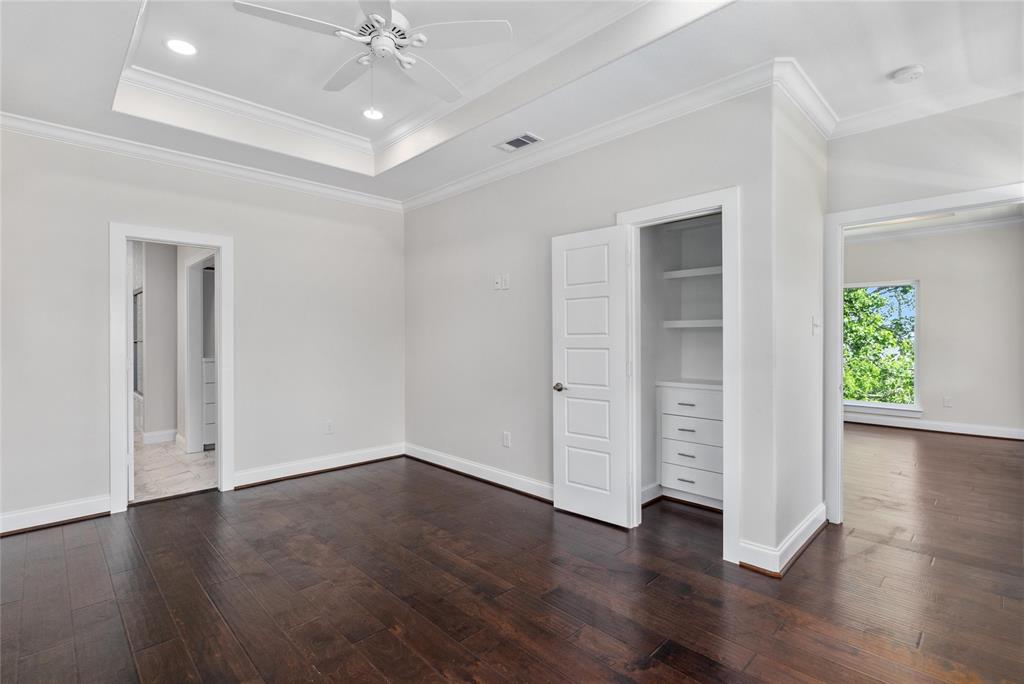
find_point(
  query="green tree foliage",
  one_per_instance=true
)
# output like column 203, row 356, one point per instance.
column 878, row 344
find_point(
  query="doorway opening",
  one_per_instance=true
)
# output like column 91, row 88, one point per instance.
column 922, row 367
column 172, row 292
column 171, row 353
column 684, row 349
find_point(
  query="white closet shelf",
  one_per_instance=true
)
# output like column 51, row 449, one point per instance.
column 693, row 272
column 707, row 323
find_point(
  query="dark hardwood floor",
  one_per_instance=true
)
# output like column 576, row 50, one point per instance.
column 404, row 572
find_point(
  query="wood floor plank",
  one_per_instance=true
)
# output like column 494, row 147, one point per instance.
column 49, row 666
column 210, row 643
column 46, row 602
column 146, row 618
column 396, row 660
column 166, row 663
column 102, row 652
column 447, row 656
column 331, row 653
column 274, row 655
column 88, row 575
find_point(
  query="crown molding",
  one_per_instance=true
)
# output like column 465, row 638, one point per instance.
column 794, row 82
column 155, row 97
column 852, row 234
column 128, row 148
column 783, row 72
column 168, row 85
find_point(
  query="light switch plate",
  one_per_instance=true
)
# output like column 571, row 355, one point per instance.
column 506, row 439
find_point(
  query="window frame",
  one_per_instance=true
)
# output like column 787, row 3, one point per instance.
column 915, row 409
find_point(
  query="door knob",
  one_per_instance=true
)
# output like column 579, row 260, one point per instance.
column 558, row 387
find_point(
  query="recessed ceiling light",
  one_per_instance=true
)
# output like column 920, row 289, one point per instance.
column 907, row 74
column 373, row 114
column 181, row 47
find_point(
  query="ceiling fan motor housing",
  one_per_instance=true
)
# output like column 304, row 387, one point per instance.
column 388, row 39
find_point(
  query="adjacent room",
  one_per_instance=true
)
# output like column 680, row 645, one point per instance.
column 933, row 327
column 170, row 455
column 511, row 341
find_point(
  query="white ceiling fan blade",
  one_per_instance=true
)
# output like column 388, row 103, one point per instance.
column 349, row 72
column 461, row 34
column 428, row 77
column 381, row 8
column 282, row 17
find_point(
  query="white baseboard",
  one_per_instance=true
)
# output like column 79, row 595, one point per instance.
column 688, row 497
column 317, row 463
column 159, row 436
column 53, row 513
column 774, row 559
column 520, row 483
column 179, row 441
column 935, row 425
column 649, row 493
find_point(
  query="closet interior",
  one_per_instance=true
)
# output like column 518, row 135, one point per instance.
column 681, row 358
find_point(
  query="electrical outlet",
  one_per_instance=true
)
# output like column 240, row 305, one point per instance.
column 947, row 402
column 497, row 281
column 505, row 277
column 329, row 428
column 506, row 439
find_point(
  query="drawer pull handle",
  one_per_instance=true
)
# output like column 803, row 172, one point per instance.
column 683, row 403
column 680, row 453
column 683, row 479
column 687, row 429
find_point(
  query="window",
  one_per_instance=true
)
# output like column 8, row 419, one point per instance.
column 137, row 341
column 880, row 344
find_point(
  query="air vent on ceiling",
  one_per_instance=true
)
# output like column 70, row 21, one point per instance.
column 519, row 143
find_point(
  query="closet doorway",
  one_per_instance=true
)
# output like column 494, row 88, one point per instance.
column 684, row 353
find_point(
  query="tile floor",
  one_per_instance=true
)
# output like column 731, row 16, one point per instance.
column 165, row 470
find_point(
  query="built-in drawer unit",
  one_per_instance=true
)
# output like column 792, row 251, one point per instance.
column 691, row 455
column 690, row 441
column 701, row 482
column 699, row 430
column 691, row 402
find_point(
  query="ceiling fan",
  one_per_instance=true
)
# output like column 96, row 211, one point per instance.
column 387, row 35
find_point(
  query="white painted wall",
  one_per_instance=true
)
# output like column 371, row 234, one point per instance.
column 970, row 322
column 975, row 147
column 799, row 177
column 160, row 336
column 479, row 361
column 319, row 313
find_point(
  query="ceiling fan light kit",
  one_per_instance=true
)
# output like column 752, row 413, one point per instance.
column 386, row 35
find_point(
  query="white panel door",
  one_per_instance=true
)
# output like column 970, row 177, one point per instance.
column 590, row 388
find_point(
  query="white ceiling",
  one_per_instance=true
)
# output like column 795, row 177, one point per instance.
column 62, row 61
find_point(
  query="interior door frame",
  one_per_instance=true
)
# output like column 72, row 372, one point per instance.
column 726, row 201
column 836, row 224
column 121, row 362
